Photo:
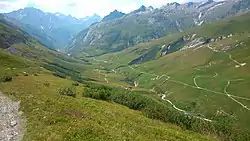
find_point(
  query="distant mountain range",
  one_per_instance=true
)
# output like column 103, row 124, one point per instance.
column 55, row 30
column 147, row 23
column 118, row 31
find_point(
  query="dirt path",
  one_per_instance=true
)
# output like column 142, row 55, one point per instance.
column 225, row 90
column 196, row 86
column 238, row 64
column 196, row 77
column 183, row 111
column 10, row 120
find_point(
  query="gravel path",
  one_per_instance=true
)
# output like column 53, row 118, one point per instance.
column 10, row 120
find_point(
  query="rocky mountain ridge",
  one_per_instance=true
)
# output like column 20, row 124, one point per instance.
column 145, row 25
column 54, row 27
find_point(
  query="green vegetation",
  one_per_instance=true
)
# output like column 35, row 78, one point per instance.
column 53, row 116
column 68, row 91
column 210, row 80
column 143, row 52
column 54, row 108
column 68, row 99
column 222, row 126
column 5, row 79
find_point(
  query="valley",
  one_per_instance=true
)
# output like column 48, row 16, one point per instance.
column 179, row 72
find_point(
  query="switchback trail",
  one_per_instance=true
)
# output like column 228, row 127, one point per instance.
column 230, row 96
column 238, row 64
column 180, row 110
column 11, row 124
column 195, row 86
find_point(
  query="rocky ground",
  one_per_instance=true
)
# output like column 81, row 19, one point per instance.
column 11, row 124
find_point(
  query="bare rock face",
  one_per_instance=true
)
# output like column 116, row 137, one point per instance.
column 11, row 124
column 195, row 43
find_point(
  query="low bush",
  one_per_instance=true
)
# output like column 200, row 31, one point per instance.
column 5, row 78
column 47, row 84
column 75, row 84
column 68, row 91
column 97, row 92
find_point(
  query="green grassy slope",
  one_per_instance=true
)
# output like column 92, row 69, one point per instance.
column 51, row 116
column 209, row 80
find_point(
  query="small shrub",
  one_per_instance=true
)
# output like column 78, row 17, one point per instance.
column 75, row 84
column 47, row 84
column 5, row 79
column 68, row 91
column 25, row 74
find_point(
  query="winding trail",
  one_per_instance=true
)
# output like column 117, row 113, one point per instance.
column 11, row 124
column 195, row 86
column 183, row 111
column 238, row 64
column 178, row 109
column 163, row 97
column 196, row 77
column 230, row 96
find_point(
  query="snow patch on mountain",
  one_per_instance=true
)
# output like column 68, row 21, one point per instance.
column 217, row 5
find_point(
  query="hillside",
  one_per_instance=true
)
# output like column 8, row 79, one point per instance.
column 188, row 39
column 188, row 82
column 52, row 102
column 146, row 24
column 205, row 74
column 10, row 34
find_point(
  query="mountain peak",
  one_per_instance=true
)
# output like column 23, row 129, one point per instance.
column 31, row 9
column 115, row 11
column 174, row 3
column 143, row 9
column 113, row 15
column 95, row 15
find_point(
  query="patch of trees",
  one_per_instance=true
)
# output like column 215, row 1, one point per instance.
column 222, row 126
column 64, row 72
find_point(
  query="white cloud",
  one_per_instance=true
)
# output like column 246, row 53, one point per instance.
column 81, row 8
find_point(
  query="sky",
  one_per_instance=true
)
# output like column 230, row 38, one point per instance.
column 82, row 8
